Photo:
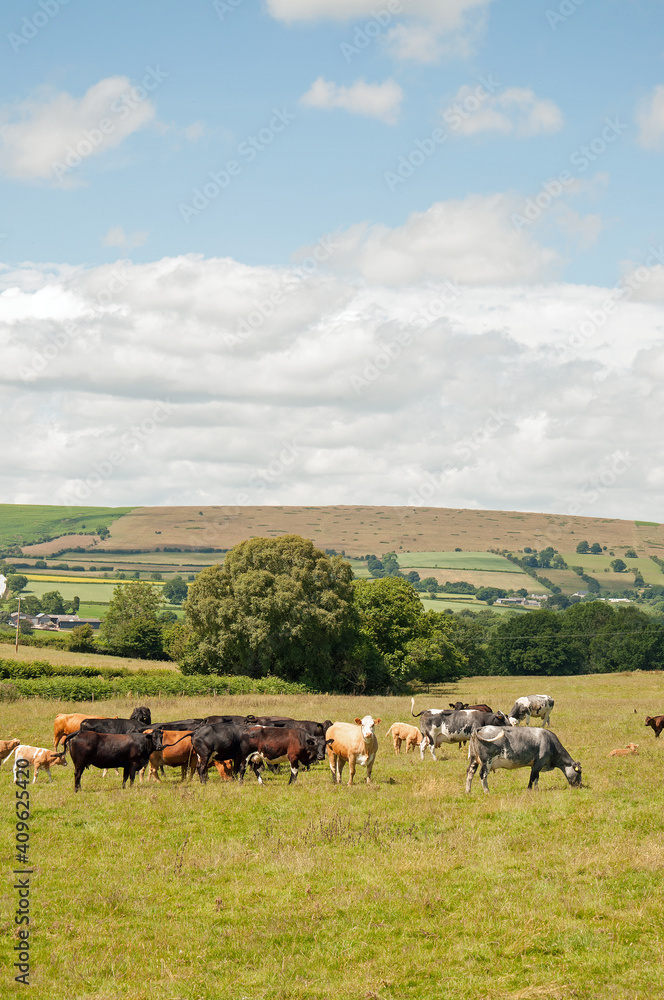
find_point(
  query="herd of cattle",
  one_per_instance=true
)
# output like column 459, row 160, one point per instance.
column 231, row 743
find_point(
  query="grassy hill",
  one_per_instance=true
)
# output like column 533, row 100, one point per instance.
column 356, row 530
column 23, row 524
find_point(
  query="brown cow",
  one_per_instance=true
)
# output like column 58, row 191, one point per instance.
column 402, row 732
column 656, row 722
column 183, row 756
column 356, row 744
column 66, row 724
column 6, row 747
column 630, row 748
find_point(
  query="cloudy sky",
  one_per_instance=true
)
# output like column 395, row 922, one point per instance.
column 333, row 251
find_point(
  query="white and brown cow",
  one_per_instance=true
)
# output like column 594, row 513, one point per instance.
column 37, row 758
column 356, row 744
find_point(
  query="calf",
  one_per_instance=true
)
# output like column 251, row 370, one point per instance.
column 630, row 748
column 539, row 749
column 357, row 744
column 656, row 722
column 452, row 727
column 6, row 747
column 38, row 757
column 402, row 732
column 130, row 751
column 538, row 706
column 278, row 744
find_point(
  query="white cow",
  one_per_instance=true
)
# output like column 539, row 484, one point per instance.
column 38, row 757
column 356, row 744
column 538, row 705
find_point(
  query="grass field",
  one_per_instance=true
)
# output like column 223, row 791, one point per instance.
column 487, row 561
column 597, row 566
column 64, row 658
column 21, row 524
column 91, row 590
column 402, row 890
column 459, row 604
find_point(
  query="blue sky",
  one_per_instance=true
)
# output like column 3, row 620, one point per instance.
column 513, row 150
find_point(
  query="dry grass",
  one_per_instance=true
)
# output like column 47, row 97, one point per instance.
column 360, row 530
column 401, row 890
column 64, row 657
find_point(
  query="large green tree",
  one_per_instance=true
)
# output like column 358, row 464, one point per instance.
column 175, row 590
column 131, row 627
column 277, row 606
column 533, row 644
column 413, row 643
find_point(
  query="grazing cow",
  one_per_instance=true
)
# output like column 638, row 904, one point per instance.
column 357, row 744
column 459, row 706
column 279, row 744
column 402, row 732
column 539, row 749
column 6, row 747
column 630, row 748
column 38, row 757
column 656, row 722
column 452, row 727
column 130, row 751
column 281, row 722
column 538, row 706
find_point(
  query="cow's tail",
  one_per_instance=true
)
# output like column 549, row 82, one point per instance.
column 415, row 715
column 473, row 747
column 390, row 729
column 66, row 740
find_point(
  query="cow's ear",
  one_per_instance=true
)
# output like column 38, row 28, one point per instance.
column 329, row 742
column 358, row 722
column 376, row 721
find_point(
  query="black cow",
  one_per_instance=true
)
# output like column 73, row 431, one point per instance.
column 442, row 726
column 130, row 751
column 278, row 744
column 182, row 725
column 656, row 723
column 229, row 720
column 281, row 722
column 221, row 741
column 459, row 705
column 539, row 749
column 113, row 726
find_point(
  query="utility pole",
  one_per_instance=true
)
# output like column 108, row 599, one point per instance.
column 18, row 622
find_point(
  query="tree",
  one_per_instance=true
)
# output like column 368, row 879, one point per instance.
column 30, row 605
column 630, row 554
column 596, row 549
column 533, row 644
column 412, row 643
column 629, row 640
column 16, row 583
column 277, row 606
column 618, row 566
column 430, row 584
column 131, row 627
column 52, row 603
column 155, row 576
column 40, row 564
column 80, row 639
column 582, row 547
column 175, row 590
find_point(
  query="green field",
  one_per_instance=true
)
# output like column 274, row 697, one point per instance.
column 447, row 602
column 597, row 566
column 487, row 561
column 90, row 590
column 22, row 524
column 179, row 560
column 402, row 890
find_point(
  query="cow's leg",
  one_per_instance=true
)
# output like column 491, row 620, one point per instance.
column 397, row 744
column 35, row 772
column 332, row 761
column 484, row 776
column 370, row 764
column 534, row 777
column 528, row 719
column 423, row 744
column 341, row 763
column 470, row 774
column 351, row 768
column 77, row 778
column 126, row 773
column 203, row 763
column 294, row 765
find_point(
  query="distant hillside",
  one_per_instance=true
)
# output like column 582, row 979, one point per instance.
column 355, row 530
column 22, row 524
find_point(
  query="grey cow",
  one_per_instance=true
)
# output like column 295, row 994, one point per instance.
column 538, row 705
column 539, row 749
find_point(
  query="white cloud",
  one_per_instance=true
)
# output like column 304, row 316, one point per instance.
column 48, row 137
column 420, row 38
column 650, row 119
column 471, row 241
column 194, row 131
column 183, row 380
column 374, row 100
column 116, row 237
column 513, row 111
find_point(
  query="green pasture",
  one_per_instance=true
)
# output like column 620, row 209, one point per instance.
column 486, row 561
column 91, row 590
column 399, row 890
column 23, row 524
column 179, row 560
column 597, row 565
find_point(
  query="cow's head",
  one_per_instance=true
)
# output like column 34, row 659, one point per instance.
column 367, row 726
column 502, row 719
column 573, row 774
column 57, row 758
column 11, row 745
column 317, row 747
column 142, row 714
column 157, row 737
